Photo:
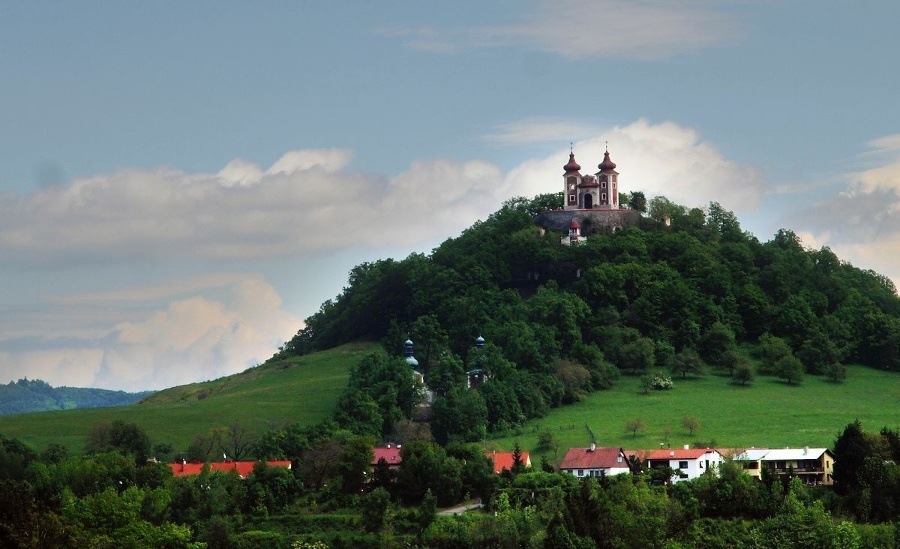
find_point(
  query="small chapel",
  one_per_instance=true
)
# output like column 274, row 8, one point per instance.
column 590, row 203
column 585, row 192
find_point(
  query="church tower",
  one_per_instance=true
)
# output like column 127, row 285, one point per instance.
column 571, row 183
column 608, row 180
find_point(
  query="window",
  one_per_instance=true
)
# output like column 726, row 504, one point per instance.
column 682, row 465
column 571, row 198
column 581, row 472
column 603, row 197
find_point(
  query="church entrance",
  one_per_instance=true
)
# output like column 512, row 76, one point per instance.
column 588, row 201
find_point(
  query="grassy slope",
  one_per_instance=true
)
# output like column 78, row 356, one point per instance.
column 302, row 389
column 305, row 390
column 768, row 413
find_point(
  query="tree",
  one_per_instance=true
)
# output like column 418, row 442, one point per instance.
column 126, row 438
column 772, row 349
column 374, row 509
column 460, row 416
column 637, row 201
column 691, row 424
column 237, row 441
column 638, row 356
column 634, row 425
column 687, row 362
column 743, row 373
column 835, row 371
column 790, row 369
column 716, row 342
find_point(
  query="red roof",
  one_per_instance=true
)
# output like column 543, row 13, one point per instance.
column 607, row 166
column 504, row 460
column 692, row 453
column 572, row 166
column 243, row 468
column 391, row 455
column 599, row 458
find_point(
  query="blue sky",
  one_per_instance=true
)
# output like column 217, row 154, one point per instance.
column 182, row 183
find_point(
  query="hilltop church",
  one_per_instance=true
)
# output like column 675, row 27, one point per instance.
column 590, row 202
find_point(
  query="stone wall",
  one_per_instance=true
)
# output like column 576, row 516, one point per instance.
column 559, row 220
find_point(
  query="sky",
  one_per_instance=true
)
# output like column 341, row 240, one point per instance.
column 182, row 183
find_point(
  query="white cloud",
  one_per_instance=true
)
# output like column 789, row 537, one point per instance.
column 306, row 202
column 160, row 344
column 658, row 159
column 649, row 29
column 539, row 130
column 862, row 224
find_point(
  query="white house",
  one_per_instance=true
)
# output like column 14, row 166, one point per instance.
column 594, row 462
column 688, row 463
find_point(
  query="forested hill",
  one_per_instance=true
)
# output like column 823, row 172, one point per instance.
column 35, row 395
column 684, row 280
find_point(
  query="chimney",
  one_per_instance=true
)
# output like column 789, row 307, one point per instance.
column 389, row 445
column 687, row 446
column 671, row 453
column 805, row 450
column 593, row 447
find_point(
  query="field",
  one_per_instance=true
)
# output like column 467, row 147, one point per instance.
column 301, row 389
column 769, row 413
column 305, row 390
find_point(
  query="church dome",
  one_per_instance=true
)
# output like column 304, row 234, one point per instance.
column 607, row 165
column 572, row 166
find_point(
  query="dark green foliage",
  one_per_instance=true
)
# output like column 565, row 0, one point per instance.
column 688, row 362
column 381, row 391
column 461, row 416
column 561, row 322
column 790, row 369
column 34, row 395
column 127, row 438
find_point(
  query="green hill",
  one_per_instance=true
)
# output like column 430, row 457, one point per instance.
column 35, row 395
column 770, row 414
column 570, row 332
column 293, row 390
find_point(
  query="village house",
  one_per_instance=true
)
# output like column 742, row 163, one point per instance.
column 594, row 461
column 390, row 454
column 243, row 468
column 688, row 463
column 506, row 460
column 811, row 465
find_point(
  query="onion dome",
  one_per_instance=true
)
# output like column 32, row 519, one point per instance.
column 607, row 166
column 408, row 353
column 572, row 166
column 479, row 342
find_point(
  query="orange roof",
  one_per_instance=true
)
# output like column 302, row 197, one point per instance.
column 243, row 468
column 504, row 460
column 691, row 453
column 598, row 458
column 390, row 455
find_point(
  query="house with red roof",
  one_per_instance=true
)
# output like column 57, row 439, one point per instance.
column 243, row 468
column 594, row 462
column 689, row 463
column 505, row 460
column 390, row 454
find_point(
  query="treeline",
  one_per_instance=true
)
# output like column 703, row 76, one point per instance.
column 24, row 395
column 683, row 291
column 334, row 497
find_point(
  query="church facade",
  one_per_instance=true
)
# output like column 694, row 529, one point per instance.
column 590, row 203
column 586, row 192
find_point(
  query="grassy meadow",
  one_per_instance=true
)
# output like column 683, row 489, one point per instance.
column 306, row 389
column 300, row 389
column 768, row 413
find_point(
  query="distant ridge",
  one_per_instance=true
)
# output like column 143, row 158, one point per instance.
column 35, row 395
